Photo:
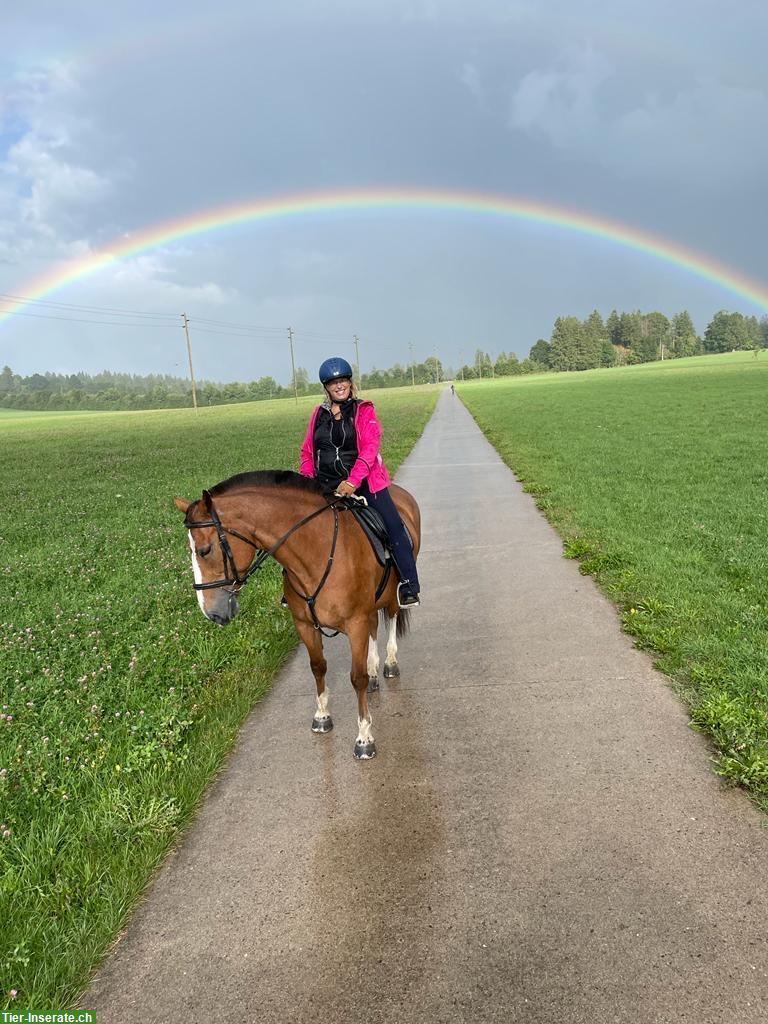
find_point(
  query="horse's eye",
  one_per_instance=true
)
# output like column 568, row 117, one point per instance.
column 204, row 551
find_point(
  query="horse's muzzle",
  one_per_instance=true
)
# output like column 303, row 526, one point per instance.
column 222, row 608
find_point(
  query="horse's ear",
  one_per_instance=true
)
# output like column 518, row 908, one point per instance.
column 207, row 501
column 182, row 504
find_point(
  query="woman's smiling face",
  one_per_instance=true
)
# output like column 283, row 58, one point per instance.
column 339, row 389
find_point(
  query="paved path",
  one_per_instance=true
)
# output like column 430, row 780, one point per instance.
column 540, row 839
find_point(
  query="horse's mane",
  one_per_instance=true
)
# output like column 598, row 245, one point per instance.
column 267, row 478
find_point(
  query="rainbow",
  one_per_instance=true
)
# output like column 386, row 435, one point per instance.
column 399, row 199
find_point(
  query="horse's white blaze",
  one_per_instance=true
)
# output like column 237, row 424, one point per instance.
column 322, row 705
column 373, row 657
column 364, row 734
column 392, row 642
column 196, row 571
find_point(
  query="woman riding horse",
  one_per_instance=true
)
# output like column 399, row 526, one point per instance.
column 333, row 578
column 341, row 450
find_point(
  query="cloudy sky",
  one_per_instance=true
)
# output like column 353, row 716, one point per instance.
column 115, row 117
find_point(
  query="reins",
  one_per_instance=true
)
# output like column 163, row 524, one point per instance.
column 232, row 577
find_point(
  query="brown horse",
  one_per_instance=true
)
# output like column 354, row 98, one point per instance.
column 331, row 576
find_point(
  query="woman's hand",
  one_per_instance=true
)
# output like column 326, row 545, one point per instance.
column 344, row 489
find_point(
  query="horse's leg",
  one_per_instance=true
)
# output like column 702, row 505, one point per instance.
column 373, row 653
column 313, row 641
column 359, row 634
column 391, row 668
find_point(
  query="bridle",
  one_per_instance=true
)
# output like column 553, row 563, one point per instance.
column 235, row 579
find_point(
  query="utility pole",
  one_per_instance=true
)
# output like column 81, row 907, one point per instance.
column 189, row 353
column 413, row 380
column 293, row 365
column 480, row 363
column 357, row 356
column 437, row 367
column 461, row 364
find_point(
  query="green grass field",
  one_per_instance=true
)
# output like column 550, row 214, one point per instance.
column 119, row 700
column 656, row 476
column 10, row 417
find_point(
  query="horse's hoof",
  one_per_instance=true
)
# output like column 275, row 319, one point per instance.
column 373, row 684
column 391, row 671
column 365, row 751
column 322, row 724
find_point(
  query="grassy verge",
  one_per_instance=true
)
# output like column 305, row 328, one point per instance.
column 119, row 701
column 656, row 476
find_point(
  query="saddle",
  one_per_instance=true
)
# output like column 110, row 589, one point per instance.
column 372, row 526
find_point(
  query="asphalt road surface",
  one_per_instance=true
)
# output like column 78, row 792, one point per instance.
column 540, row 838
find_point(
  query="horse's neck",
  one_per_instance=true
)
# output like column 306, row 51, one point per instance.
column 267, row 516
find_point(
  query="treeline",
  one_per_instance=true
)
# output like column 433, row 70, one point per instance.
column 121, row 391
column 431, row 371
column 112, row 391
column 124, row 391
column 627, row 338
column 624, row 338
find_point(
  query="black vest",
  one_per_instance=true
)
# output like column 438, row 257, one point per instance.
column 335, row 446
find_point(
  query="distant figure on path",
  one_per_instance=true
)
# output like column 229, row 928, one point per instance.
column 341, row 450
column 453, row 390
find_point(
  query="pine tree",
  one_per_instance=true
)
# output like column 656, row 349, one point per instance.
column 566, row 343
column 655, row 328
column 6, row 381
column 630, row 333
column 594, row 333
column 684, row 340
column 613, row 326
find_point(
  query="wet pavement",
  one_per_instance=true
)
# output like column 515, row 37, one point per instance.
column 540, row 838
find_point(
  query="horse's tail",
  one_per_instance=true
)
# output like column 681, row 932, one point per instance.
column 403, row 620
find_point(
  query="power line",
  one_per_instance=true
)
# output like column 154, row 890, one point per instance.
column 245, row 335
column 297, row 331
column 229, row 334
column 320, row 334
column 110, row 310
column 115, row 311
column 80, row 320
column 244, row 327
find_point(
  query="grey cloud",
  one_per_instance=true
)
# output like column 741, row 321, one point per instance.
column 560, row 103
column 51, row 182
column 46, row 176
column 703, row 133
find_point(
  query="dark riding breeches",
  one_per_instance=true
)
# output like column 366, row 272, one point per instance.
column 402, row 551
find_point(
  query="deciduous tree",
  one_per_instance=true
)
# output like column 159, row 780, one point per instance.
column 541, row 353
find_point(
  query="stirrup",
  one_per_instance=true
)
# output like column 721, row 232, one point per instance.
column 409, row 600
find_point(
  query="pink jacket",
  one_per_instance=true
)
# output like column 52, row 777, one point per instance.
column 369, row 461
